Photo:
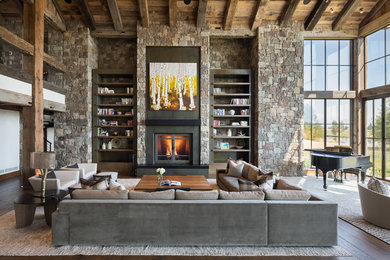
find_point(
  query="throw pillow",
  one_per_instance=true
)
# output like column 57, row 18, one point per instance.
column 284, row 185
column 73, row 166
column 197, row 195
column 157, row 195
column 376, row 185
column 241, row 195
column 50, row 175
column 250, row 172
column 100, row 194
column 235, row 168
column 116, row 186
column 287, row 195
column 94, row 184
column 247, row 185
column 102, row 177
column 265, row 181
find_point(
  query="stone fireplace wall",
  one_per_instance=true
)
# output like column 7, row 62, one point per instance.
column 184, row 34
column 229, row 53
column 117, row 53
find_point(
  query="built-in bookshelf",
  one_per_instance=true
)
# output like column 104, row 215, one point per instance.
column 231, row 124
column 114, row 122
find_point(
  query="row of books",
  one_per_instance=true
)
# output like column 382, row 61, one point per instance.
column 219, row 112
column 105, row 91
column 240, row 101
column 106, row 111
column 127, row 101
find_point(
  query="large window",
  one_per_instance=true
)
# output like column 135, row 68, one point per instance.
column 378, row 58
column 377, row 122
column 327, row 65
column 327, row 122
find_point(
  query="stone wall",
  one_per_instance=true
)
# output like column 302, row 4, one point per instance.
column 55, row 48
column 231, row 53
column 73, row 129
column 279, row 99
column 9, row 55
column 184, row 34
column 117, row 53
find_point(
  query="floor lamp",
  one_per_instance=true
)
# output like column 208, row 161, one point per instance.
column 44, row 162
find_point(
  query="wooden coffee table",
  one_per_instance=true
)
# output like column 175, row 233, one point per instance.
column 191, row 182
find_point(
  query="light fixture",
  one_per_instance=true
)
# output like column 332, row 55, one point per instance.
column 42, row 161
column 331, row 10
column 187, row 2
column 68, row 1
column 305, row 2
column 361, row 10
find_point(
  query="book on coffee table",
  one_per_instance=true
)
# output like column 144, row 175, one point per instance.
column 170, row 183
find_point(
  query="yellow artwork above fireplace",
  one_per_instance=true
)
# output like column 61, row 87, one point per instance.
column 173, row 86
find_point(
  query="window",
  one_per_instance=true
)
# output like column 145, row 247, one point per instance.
column 377, row 132
column 326, row 123
column 327, row 65
column 378, row 58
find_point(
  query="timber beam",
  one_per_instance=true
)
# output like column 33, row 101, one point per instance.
column 144, row 12
column 109, row 33
column 229, row 14
column 289, row 12
column 316, row 14
column 28, row 48
column 115, row 15
column 374, row 25
column 172, row 12
column 86, row 14
column 373, row 12
column 345, row 14
column 201, row 19
column 260, row 11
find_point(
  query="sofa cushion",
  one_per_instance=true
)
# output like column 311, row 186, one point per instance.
column 74, row 166
column 100, row 194
column 197, row 195
column 157, row 195
column 250, row 172
column 94, row 184
column 235, row 168
column 245, row 185
column 64, row 185
column 376, row 185
column 231, row 183
column 242, row 195
column 287, row 195
column 265, row 181
column 284, row 185
column 116, row 186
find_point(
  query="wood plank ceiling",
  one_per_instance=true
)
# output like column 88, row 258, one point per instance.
column 119, row 17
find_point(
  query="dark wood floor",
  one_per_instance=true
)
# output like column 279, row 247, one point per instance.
column 357, row 242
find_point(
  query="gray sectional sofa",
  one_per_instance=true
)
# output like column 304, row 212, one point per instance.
column 119, row 220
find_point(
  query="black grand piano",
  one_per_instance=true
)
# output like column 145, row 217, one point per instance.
column 346, row 162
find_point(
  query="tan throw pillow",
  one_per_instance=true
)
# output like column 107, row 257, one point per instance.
column 247, row 185
column 376, row 185
column 287, row 195
column 241, row 195
column 235, row 168
column 157, row 195
column 250, row 172
column 284, row 185
column 100, row 184
column 265, row 181
column 197, row 195
column 116, row 186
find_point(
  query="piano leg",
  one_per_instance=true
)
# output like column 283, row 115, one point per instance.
column 325, row 175
column 317, row 172
column 363, row 175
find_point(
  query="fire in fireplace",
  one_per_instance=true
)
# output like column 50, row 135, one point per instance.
column 173, row 148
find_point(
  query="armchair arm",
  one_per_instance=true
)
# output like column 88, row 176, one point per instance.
column 51, row 184
column 88, row 167
column 68, row 175
column 80, row 170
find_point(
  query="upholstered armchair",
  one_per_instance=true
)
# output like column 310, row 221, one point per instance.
column 87, row 170
column 375, row 207
column 63, row 180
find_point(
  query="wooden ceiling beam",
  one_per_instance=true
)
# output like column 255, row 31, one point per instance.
column 104, row 33
column 172, row 12
column 201, row 18
column 53, row 20
column 258, row 18
column 373, row 12
column 144, row 12
column 115, row 14
column 229, row 14
column 59, row 12
column 86, row 14
column 289, row 12
column 19, row 6
column 315, row 15
column 374, row 25
column 27, row 48
column 2, row 20
column 345, row 14
column 29, row 1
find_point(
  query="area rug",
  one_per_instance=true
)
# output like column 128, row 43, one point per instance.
column 346, row 195
column 35, row 240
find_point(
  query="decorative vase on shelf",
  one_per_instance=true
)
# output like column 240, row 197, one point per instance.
column 229, row 132
column 104, row 146
column 109, row 145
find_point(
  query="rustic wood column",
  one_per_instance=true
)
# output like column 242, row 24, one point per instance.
column 33, row 32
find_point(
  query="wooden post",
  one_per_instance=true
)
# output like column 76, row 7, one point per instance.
column 33, row 32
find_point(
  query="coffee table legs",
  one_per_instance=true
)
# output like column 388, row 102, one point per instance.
column 24, row 214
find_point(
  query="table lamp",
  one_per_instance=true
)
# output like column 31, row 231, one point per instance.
column 44, row 162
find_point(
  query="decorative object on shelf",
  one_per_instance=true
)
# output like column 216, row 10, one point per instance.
column 244, row 112
column 235, row 124
column 104, row 146
column 127, row 133
column 115, row 133
column 240, row 144
column 240, row 133
column 244, row 123
column 115, row 143
column 109, row 145
column 173, row 86
column 224, row 145
column 119, row 113
column 160, row 172
column 231, row 112
column 229, row 132
column 43, row 161
column 215, row 132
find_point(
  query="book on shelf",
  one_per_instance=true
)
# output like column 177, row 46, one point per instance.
column 217, row 91
column 105, row 91
column 219, row 112
column 239, row 101
column 127, row 101
column 106, row 111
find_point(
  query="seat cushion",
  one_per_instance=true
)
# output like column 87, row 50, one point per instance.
column 100, row 194
column 287, row 195
column 231, row 183
column 157, row 195
column 197, row 195
column 64, row 185
column 242, row 195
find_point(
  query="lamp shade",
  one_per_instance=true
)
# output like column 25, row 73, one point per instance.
column 40, row 160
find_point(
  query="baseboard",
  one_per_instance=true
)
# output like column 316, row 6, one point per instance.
column 9, row 175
